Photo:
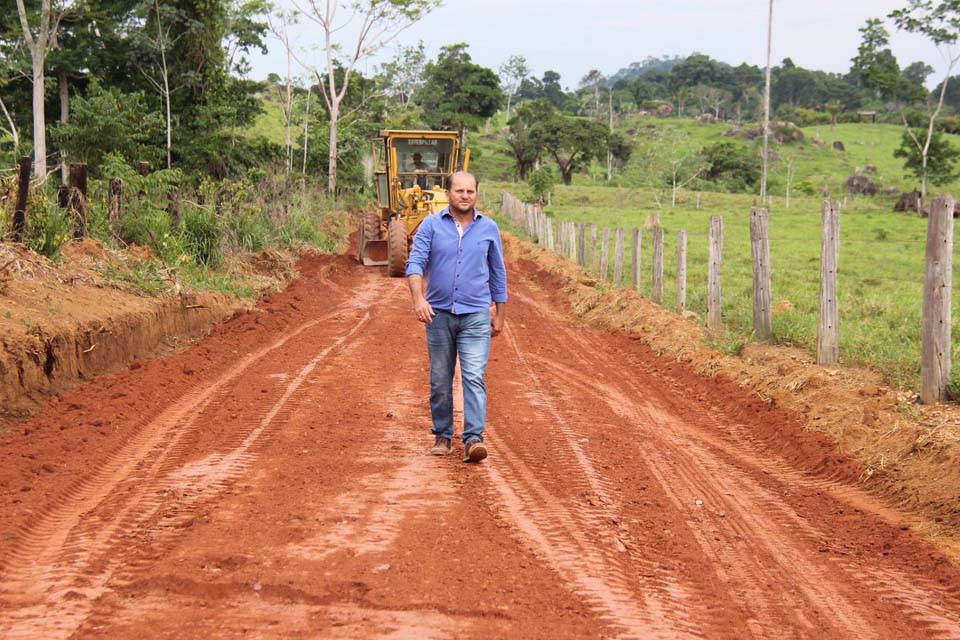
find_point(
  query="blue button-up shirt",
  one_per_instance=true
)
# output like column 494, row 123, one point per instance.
column 464, row 274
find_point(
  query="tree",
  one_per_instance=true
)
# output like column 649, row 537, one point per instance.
column 697, row 69
column 667, row 159
column 875, row 66
column 732, row 165
column 541, row 182
column 403, row 75
column 940, row 23
column 765, row 158
column 573, row 142
column 106, row 120
column 552, row 90
column 512, row 73
column 39, row 40
column 458, row 94
column 834, row 108
column 938, row 166
column 10, row 124
column 279, row 25
column 711, row 98
column 525, row 145
column 594, row 80
column 163, row 18
column 376, row 23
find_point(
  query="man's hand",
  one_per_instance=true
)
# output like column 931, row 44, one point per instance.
column 424, row 311
column 421, row 307
column 497, row 319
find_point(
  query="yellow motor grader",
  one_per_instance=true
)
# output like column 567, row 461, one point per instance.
column 411, row 169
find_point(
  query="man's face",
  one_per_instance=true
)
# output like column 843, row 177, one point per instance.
column 462, row 194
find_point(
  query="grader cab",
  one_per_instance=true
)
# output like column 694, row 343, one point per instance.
column 410, row 170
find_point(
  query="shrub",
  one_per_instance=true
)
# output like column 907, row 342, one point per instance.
column 48, row 231
column 733, row 166
column 248, row 230
column 541, row 181
column 202, row 236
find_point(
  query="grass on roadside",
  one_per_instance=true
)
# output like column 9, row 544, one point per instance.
column 881, row 268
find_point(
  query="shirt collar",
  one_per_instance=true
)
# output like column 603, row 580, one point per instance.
column 446, row 212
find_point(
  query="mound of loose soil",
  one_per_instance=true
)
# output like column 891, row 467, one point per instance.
column 908, row 453
column 68, row 321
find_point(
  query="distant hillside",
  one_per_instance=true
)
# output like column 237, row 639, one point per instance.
column 663, row 64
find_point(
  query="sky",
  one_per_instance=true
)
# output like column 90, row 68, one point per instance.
column 572, row 38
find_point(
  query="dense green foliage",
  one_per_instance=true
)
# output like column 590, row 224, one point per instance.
column 457, row 93
column 941, row 157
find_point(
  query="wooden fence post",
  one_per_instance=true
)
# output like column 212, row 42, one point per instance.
column 116, row 198
column 937, row 297
column 562, row 230
column 23, row 190
column 551, row 245
column 656, row 288
column 714, row 298
column 604, row 251
column 636, row 248
column 582, row 244
column 618, row 252
column 681, row 270
column 760, row 248
column 572, row 240
column 828, row 327
column 594, row 253
column 77, row 197
column 173, row 206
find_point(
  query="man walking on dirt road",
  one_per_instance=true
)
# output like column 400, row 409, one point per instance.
column 461, row 253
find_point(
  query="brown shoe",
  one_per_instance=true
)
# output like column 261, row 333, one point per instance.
column 441, row 447
column 474, row 451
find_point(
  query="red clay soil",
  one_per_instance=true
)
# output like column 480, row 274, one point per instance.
column 273, row 481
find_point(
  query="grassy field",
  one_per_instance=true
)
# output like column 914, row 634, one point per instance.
column 880, row 273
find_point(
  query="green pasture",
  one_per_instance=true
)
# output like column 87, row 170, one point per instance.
column 880, row 270
column 821, row 167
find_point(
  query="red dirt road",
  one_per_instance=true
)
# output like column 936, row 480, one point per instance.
column 273, row 481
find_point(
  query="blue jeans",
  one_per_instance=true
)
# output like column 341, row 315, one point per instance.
column 465, row 335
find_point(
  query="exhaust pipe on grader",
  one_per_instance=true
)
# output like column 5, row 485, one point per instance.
column 411, row 172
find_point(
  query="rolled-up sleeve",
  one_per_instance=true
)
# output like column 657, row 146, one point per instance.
column 498, row 269
column 420, row 252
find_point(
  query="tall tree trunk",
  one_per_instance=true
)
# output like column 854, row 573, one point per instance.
column 13, row 129
column 306, row 129
column 288, row 113
column 39, row 119
column 610, row 126
column 332, row 155
column 64, row 118
column 766, row 110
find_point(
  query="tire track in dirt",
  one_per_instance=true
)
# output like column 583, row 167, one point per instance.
column 66, row 560
column 696, row 467
column 560, row 532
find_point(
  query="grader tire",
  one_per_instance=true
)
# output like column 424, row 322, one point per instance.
column 397, row 248
column 369, row 230
column 371, row 225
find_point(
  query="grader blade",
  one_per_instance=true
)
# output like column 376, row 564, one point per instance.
column 374, row 253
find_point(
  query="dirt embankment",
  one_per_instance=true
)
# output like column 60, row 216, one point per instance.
column 61, row 323
column 905, row 452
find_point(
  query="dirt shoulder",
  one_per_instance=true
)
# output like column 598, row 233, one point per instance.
column 907, row 453
column 65, row 322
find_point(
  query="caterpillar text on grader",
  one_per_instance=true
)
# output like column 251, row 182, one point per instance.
column 411, row 169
